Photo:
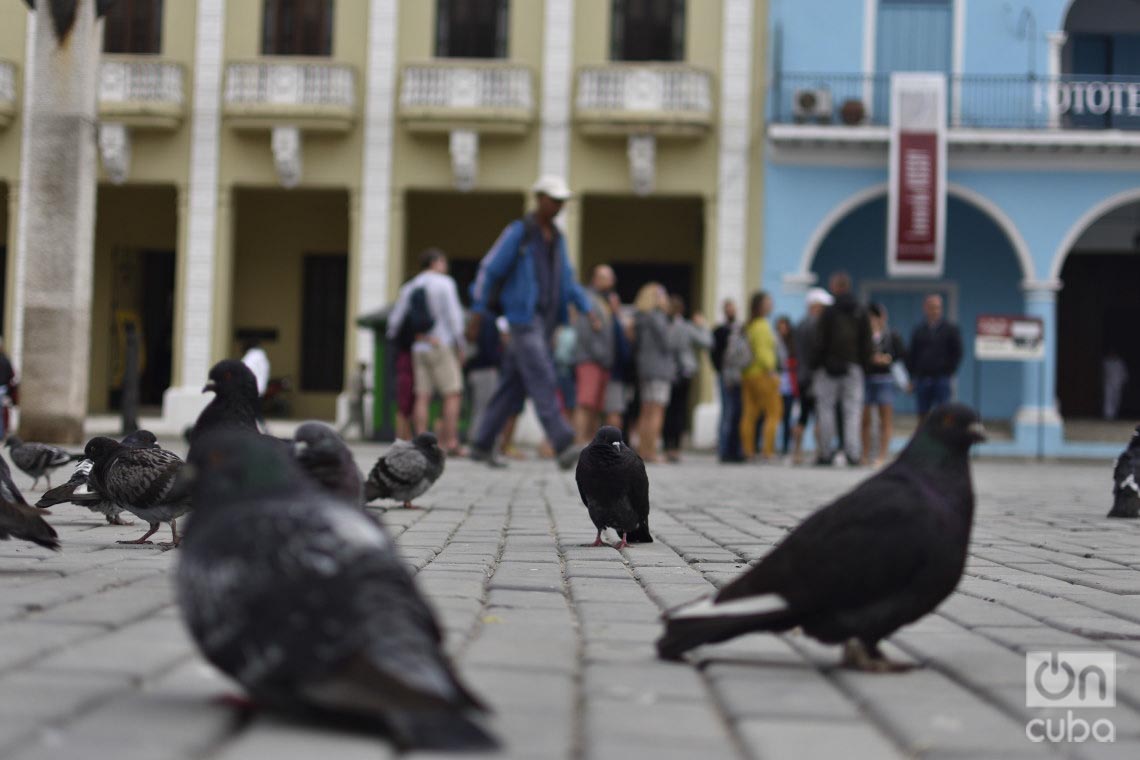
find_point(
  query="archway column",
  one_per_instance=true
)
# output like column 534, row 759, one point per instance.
column 1038, row 425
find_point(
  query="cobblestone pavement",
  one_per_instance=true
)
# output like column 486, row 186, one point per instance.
column 558, row 636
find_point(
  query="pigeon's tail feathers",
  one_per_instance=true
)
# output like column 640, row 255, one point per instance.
column 76, row 492
column 639, row 535
column 1126, row 504
column 706, row 622
column 442, row 730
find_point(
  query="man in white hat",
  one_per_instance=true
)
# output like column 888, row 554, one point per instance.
column 527, row 278
column 818, row 300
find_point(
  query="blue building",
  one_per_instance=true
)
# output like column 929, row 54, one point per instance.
column 1042, row 183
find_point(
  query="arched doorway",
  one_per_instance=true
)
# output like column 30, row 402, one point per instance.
column 1097, row 313
column 983, row 275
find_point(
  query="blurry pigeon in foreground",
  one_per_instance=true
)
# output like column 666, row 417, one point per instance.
column 23, row 522
column 406, row 470
column 614, row 487
column 1125, row 489
column 38, row 459
column 304, row 601
column 148, row 483
column 325, row 458
column 877, row 558
column 8, row 490
column 235, row 402
column 79, row 489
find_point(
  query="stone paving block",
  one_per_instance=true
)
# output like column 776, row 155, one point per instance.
column 137, row 650
column 25, row 640
column 644, row 682
column 268, row 737
column 39, row 695
column 686, row 722
column 786, row 739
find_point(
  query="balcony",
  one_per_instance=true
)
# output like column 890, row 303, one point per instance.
column 482, row 96
column 1009, row 112
column 141, row 91
column 662, row 100
column 308, row 94
column 7, row 93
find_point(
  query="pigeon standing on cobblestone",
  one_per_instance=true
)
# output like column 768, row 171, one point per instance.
column 17, row 519
column 148, row 483
column 38, row 459
column 406, row 470
column 325, row 458
column 305, row 601
column 614, row 487
column 235, row 402
column 877, row 558
column 1125, row 489
column 81, row 491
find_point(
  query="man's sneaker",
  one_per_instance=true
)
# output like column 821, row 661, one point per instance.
column 568, row 457
column 486, row 456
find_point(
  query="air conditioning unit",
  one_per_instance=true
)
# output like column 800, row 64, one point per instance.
column 812, row 104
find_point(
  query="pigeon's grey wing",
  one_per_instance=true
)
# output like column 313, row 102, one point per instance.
column 638, row 483
column 582, row 474
column 866, row 545
column 8, row 490
column 145, row 478
column 54, row 456
column 26, row 456
column 403, row 464
column 24, row 522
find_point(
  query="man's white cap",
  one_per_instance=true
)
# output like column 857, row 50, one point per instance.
column 820, row 296
column 553, row 186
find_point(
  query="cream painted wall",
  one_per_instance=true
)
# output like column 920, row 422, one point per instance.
column 274, row 229
column 13, row 34
column 422, row 162
column 131, row 217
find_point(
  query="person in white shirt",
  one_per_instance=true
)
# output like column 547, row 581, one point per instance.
column 254, row 357
column 437, row 354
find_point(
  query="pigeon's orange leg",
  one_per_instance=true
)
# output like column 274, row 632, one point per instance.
column 145, row 536
column 409, row 505
column 623, row 543
column 598, row 540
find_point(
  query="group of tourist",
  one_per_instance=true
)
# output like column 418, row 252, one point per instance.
column 841, row 363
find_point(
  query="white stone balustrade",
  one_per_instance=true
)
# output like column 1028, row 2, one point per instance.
column 483, row 96
column 316, row 95
column 660, row 99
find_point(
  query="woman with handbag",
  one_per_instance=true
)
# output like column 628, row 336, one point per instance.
column 887, row 355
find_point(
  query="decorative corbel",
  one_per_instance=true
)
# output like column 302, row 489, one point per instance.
column 286, row 144
column 463, row 145
column 642, row 154
column 115, row 150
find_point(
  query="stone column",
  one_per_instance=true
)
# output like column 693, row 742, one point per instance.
column 10, row 275
column 1038, row 421
column 58, row 224
column 1057, row 42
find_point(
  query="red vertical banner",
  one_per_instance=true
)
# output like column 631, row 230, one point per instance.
column 916, row 230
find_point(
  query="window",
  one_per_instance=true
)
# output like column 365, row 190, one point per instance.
column 133, row 26
column 648, row 30
column 471, row 28
column 297, row 27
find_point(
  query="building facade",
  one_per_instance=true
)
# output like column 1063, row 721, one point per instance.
column 1042, row 198
column 272, row 168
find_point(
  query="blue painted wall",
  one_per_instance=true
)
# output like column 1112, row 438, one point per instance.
column 817, row 35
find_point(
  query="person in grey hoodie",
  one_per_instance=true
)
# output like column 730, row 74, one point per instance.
column 594, row 356
column 656, row 365
column 688, row 337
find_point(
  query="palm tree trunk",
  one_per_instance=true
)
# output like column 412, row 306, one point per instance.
column 60, row 225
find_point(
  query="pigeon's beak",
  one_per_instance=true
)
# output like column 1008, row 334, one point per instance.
column 617, row 445
column 978, row 431
column 210, row 387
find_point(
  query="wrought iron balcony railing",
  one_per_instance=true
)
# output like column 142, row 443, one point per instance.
column 480, row 95
column 1009, row 102
column 141, row 91
column 309, row 93
column 629, row 98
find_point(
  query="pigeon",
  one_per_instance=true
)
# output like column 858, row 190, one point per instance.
column 148, row 483
column 406, row 470
column 614, row 487
column 38, row 459
column 18, row 520
column 304, row 600
column 8, row 490
column 875, row 559
column 326, row 459
column 79, row 490
column 1125, row 490
column 235, row 402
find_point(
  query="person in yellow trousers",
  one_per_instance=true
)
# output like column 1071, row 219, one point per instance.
column 760, row 381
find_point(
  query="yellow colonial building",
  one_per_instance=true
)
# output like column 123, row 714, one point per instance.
column 272, row 168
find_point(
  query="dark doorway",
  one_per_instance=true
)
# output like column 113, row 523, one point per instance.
column 324, row 303
column 143, row 296
column 297, row 27
column 3, row 286
column 648, row 30
column 1097, row 311
column 471, row 28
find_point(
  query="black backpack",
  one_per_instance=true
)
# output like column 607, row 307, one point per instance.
column 417, row 319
